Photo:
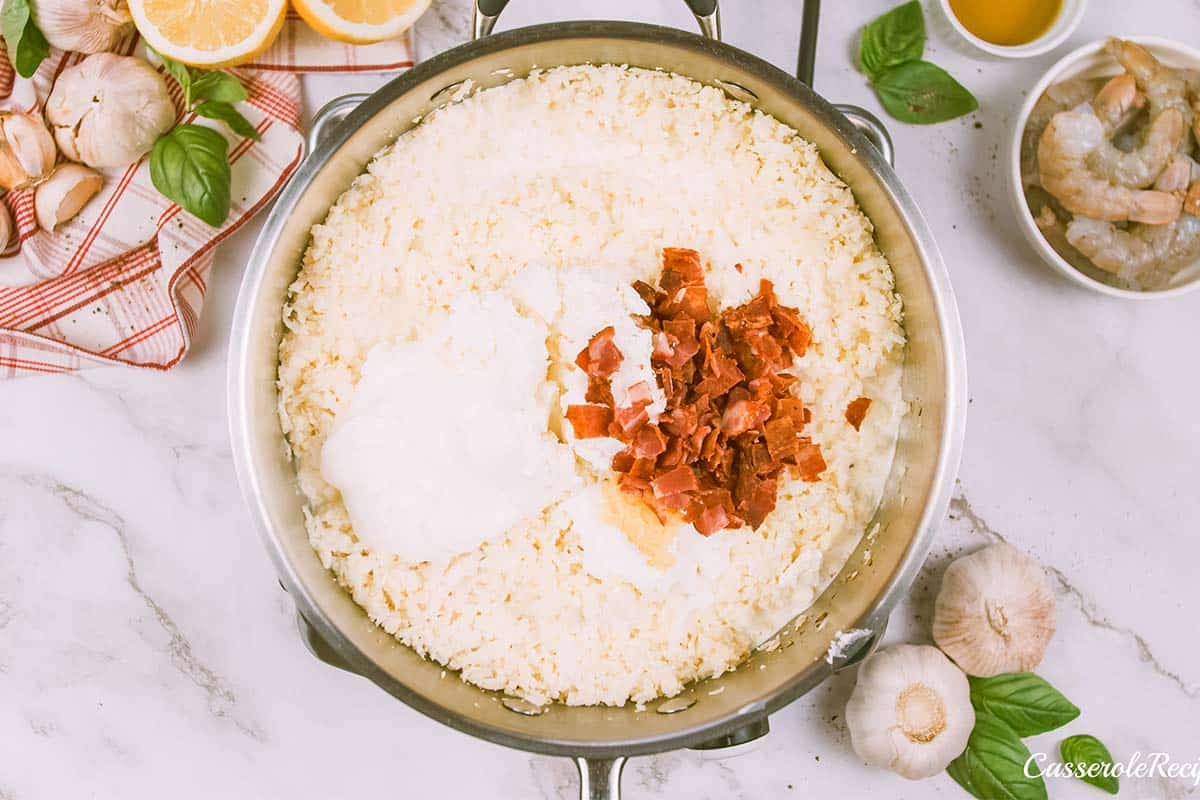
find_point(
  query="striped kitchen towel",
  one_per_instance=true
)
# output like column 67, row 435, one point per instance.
column 124, row 281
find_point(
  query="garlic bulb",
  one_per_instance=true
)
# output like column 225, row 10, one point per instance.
column 995, row 612
column 84, row 26
column 61, row 196
column 108, row 110
column 910, row 711
column 26, row 150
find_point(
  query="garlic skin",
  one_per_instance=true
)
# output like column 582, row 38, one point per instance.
column 61, row 196
column 994, row 612
column 27, row 150
column 108, row 110
column 83, row 26
column 910, row 711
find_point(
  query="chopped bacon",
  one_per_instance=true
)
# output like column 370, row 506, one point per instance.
column 639, row 393
column 680, row 479
column 664, row 348
column 650, row 442
column 601, row 358
column 693, row 302
column 809, row 461
column 856, row 411
column 599, row 390
column 681, row 268
column 627, row 420
column 741, row 416
column 589, row 421
column 781, row 438
column 622, row 461
column 732, row 423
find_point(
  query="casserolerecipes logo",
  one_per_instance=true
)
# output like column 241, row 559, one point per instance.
column 1139, row 765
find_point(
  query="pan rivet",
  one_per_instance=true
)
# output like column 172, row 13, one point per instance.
column 736, row 91
column 675, row 705
column 519, row 706
column 450, row 87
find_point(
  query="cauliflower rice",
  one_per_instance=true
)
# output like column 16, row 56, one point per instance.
column 597, row 168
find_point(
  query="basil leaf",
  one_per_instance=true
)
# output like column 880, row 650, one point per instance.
column 180, row 72
column 993, row 765
column 1028, row 704
column 894, row 38
column 922, row 93
column 1086, row 754
column 190, row 166
column 26, row 45
column 225, row 112
column 219, row 86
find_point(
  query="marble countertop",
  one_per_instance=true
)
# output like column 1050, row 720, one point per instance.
column 146, row 648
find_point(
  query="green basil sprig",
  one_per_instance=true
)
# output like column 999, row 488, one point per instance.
column 894, row 38
column 1026, row 703
column 190, row 163
column 190, row 166
column 993, row 765
column 910, row 89
column 25, row 43
column 1085, row 754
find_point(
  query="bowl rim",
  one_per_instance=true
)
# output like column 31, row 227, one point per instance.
column 1024, row 215
column 1069, row 18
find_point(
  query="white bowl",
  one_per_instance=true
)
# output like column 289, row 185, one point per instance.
column 1087, row 62
column 1064, row 25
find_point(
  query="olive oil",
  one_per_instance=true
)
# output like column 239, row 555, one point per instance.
column 1006, row 22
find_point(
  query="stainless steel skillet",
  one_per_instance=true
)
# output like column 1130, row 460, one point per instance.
column 713, row 713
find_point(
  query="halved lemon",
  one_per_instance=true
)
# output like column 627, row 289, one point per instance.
column 360, row 21
column 209, row 33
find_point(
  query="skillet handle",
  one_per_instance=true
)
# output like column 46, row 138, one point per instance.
column 867, row 123
column 706, row 12
column 871, row 127
column 330, row 116
column 600, row 778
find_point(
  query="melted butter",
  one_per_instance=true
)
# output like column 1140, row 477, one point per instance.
column 1006, row 22
column 641, row 527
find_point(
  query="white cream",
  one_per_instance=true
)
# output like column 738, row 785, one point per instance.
column 445, row 441
column 591, row 304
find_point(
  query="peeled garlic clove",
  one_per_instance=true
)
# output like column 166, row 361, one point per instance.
column 108, row 110
column 83, row 26
column 995, row 612
column 910, row 711
column 63, row 194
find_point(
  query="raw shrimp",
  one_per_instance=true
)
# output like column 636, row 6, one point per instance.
column 1062, row 160
column 1117, row 102
column 1139, row 167
column 1057, row 97
column 1176, row 176
column 1164, row 87
column 1142, row 255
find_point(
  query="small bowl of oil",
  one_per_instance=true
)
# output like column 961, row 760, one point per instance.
column 1015, row 28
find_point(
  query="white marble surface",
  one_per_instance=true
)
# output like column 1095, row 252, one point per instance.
column 146, row 649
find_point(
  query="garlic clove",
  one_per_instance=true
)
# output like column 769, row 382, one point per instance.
column 83, row 26
column 30, row 142
column 994, row 612
column 12, row 174
column 108, row 110
column 64, row 193
column 910, row 711
column 6, row 226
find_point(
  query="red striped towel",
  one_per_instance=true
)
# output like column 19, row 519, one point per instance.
column 124, row 281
